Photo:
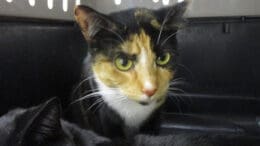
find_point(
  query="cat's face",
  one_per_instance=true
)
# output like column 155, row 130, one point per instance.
column 132, row 61
column 136, row 70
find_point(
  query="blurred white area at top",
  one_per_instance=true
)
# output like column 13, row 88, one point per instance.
column 165, row 2
column 50, row 4
column 77, row 2
column 117, row 2
column 63, row 9
column 9, row 1
column 31, row 2
column 156, row 1
column 65, row 5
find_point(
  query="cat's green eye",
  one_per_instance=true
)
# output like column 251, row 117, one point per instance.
column 163, row 59
column 123, row 63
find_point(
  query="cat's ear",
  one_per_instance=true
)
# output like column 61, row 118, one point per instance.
column 92, row 22
column 44, row 125
column 172, row 17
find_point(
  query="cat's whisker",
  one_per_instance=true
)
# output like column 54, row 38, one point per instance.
column 91, row 95
column 100, row 93
column 176, row 89
column 165, row 40
column 187, row 69
column 80, row 84
column 94, row 94
column 98, row 101
column 173, row 84
column 162, row 26
column 176, row 85
column 89, row 91
column 177, row 98
column 121, row 99
column 178, row 79
column 161, row 29
column 118, row 99
column 98, row 106
column 176, row 104
column 180, row 95
column 173, row 94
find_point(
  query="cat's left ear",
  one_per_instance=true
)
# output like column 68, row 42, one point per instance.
column 172, row 17
column 45, row 124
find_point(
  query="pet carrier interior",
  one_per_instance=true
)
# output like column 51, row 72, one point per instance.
column 42, row 50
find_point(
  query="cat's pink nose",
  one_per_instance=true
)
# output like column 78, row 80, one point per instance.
column 149, row 92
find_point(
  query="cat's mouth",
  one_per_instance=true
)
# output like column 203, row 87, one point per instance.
column 144, row 103
column 147, row 102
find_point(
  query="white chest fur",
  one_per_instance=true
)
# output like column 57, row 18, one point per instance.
column 133, row 113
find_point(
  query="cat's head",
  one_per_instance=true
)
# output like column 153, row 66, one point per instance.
column 133, row 52
column 42, row 126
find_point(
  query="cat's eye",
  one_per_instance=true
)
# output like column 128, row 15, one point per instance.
column 123, row 63
column 163, row 59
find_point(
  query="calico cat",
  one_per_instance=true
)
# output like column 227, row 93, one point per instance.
column 42, row 126
column 130, row 64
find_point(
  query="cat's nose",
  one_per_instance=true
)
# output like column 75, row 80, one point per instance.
column 149, row 92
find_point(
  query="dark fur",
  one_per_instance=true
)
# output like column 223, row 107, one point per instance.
column 42, row 126
column 196, row 140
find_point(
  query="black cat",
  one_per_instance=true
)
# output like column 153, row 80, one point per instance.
column 42, row 126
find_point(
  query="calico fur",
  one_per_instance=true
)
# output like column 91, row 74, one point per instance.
column 118, row 103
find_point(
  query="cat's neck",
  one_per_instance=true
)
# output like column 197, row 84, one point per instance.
column 132, row 113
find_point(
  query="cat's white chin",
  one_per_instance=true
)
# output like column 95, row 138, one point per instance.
column 132, row 112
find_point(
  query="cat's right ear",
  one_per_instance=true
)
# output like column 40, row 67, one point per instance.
column 92, row 22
